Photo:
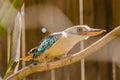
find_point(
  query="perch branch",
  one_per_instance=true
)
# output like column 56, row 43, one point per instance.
column 68, row 60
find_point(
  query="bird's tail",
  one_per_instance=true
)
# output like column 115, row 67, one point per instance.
column 27, row 58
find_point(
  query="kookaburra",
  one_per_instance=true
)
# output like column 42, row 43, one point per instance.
column 59, row 44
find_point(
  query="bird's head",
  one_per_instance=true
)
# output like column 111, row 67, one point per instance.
column 83, row 30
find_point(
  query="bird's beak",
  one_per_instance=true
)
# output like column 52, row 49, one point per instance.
column 95, row 32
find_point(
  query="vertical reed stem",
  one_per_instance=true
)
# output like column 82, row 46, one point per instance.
column 82, row 42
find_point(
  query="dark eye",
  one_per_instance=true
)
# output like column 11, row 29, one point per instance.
column 79, row 29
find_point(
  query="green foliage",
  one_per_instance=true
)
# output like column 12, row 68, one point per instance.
column 2, row 30
column 9, row 16
column 8, row 69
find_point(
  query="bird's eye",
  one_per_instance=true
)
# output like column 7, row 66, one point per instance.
column 79, row 29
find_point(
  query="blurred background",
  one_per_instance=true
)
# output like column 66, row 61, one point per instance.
column 42, row 17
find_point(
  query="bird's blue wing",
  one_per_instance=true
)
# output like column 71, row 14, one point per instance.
column 46, row 43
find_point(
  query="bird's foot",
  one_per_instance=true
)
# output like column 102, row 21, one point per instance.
column 69, row 56
column 34, row 62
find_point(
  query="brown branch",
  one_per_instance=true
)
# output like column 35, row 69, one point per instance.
column 68, row 60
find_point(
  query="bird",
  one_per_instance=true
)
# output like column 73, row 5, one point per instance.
column 58, row 44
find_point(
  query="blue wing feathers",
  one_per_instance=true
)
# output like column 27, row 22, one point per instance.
column 46, row 43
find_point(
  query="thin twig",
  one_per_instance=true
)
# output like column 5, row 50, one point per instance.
column 68, row 60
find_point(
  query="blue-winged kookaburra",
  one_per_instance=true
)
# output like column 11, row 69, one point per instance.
column 58, row 44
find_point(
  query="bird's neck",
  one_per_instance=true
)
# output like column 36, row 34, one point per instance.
column 68, row 41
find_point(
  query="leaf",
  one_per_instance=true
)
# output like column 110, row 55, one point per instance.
column 15, row 46
column 16, row 39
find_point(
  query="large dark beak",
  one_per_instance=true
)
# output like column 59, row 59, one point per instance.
column 95, row 32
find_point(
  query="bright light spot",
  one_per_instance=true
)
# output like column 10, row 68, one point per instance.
column 44, row 30
column 22, row 13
